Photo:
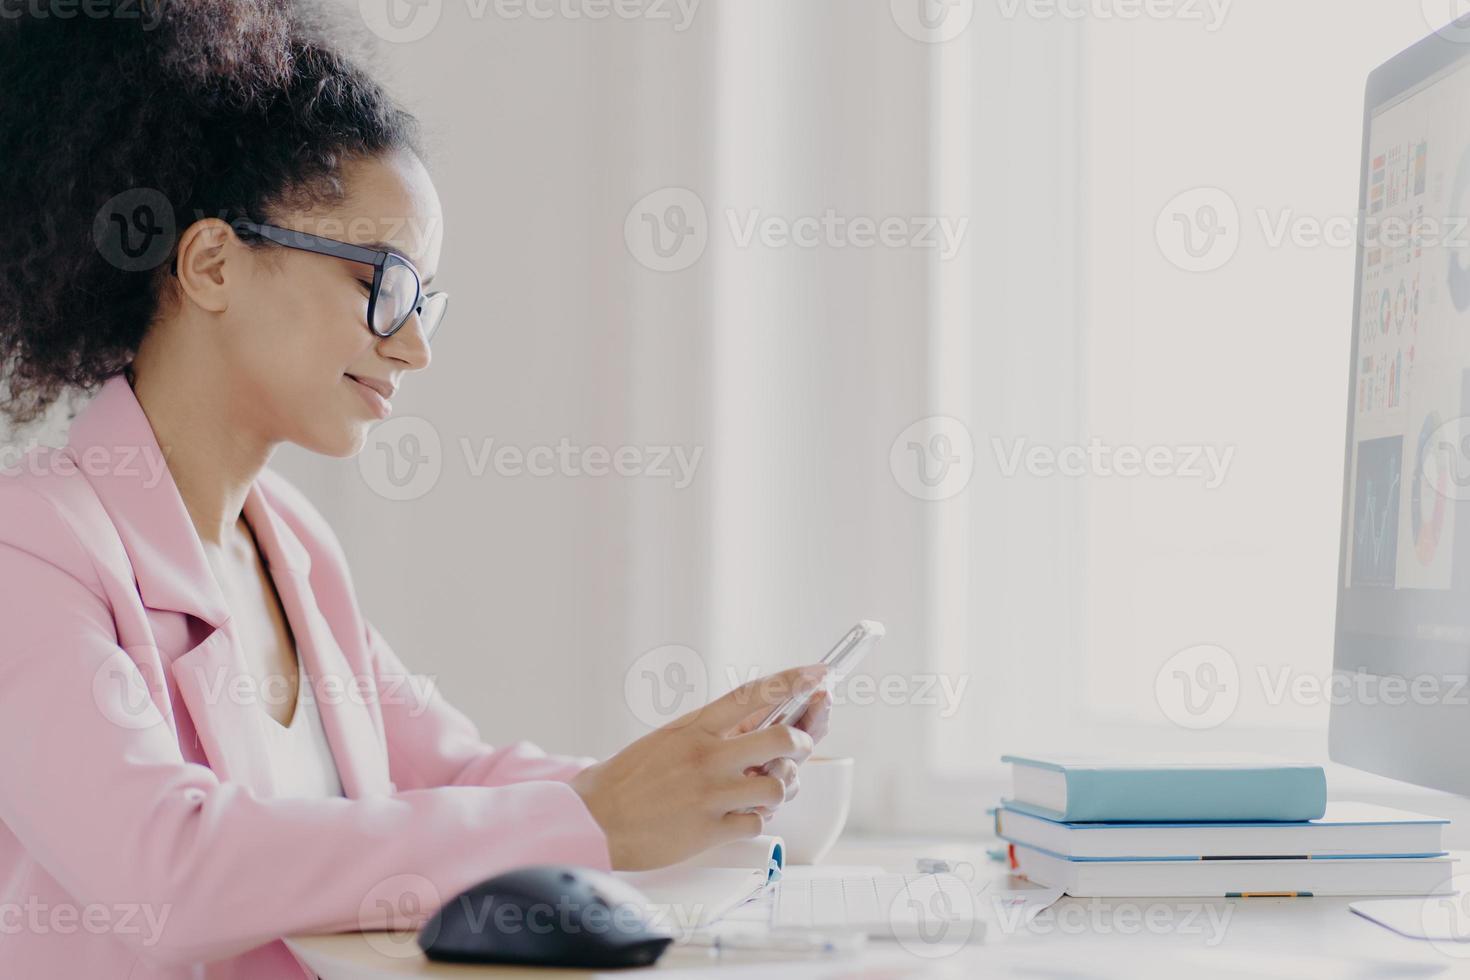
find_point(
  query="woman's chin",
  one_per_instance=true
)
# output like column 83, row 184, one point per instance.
column 343, row 442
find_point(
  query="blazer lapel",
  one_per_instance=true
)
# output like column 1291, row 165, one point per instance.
column 116, row 450
column 342, row 697
column 229, row 725
column 115, row 447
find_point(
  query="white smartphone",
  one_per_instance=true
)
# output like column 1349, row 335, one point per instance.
column 840, row 661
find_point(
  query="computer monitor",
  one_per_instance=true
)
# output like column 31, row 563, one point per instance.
column 1401, row 666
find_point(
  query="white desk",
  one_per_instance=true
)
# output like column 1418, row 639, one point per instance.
column 1130, row 939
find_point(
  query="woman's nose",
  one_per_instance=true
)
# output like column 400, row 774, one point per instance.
column 408, row 344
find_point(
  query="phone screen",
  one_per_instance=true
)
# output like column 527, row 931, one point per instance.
column 840, row 661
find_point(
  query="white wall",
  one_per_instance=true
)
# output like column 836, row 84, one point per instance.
column 1251, row 357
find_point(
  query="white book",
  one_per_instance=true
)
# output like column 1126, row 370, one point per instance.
column 1361, row 829
column 1232, row 878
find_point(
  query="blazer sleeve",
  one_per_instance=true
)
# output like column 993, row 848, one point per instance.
column 433, row 743
column 104, row 801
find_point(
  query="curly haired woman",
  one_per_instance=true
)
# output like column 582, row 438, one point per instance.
column 214, row 221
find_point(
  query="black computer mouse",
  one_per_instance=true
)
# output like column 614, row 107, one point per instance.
column 549, row 915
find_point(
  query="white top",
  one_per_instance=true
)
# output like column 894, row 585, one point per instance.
column 299, row 752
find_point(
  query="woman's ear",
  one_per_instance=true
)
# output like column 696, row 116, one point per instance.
column 201, row 267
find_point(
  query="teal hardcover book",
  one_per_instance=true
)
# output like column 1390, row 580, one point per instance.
column 1075, row 791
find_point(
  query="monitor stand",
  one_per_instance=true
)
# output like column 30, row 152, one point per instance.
column 1441, row 919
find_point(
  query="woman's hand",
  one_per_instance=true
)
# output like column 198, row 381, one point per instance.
column 813, row 721
column 683, row 788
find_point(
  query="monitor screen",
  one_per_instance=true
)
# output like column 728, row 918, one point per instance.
column 1404, row 586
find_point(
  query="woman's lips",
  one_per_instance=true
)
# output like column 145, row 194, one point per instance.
column 380, row 406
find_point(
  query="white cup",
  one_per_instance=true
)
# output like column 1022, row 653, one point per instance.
column 811, row 823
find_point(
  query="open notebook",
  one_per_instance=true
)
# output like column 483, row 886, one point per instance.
column 694, row 893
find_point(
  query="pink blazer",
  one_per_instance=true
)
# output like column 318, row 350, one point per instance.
column 139, row 836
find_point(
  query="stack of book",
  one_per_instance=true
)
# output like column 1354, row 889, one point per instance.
column 1210, row 830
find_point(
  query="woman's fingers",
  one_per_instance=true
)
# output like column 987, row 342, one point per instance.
column 776, row 742
column 738, row 826
column 749, row 792
column 818, row 712
column 786, row 771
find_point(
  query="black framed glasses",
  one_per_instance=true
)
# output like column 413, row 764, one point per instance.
column 397, row 292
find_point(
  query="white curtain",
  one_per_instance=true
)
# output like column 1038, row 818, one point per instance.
column 1025, row 610
column 881, row 231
